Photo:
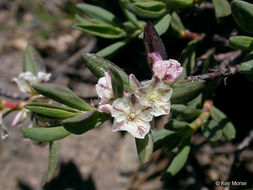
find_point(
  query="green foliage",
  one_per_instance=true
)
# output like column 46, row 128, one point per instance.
column 85, row 122
column 186, row 90
column 117, row 83
column 62, row 95
column 221, row 125
column 178, row 4
column 179, row 160
column 45, row 134
column 145, row 147
column 241, row 42
column 246, row 69
column 243, row 14
column 53, row 161
column 52, row 111
column 30, row 61
column 150, row 9
column 99, row 13
column 222, row 8
column 99, row 65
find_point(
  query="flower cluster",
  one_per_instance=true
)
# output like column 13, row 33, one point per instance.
column 147, row 99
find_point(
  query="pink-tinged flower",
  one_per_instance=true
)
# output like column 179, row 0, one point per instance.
column 27, row 79
column 169, row 70
column 131, row 116
column 154, row 93
column 106, row 108
column 134, row 83
column 104, row 88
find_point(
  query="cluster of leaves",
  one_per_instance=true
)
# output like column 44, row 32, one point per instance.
column 69, row 114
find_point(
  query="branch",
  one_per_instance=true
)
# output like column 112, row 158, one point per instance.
column 223, row 71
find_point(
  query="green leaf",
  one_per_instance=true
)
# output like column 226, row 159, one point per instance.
column 186, row 90
column 179, row 160
column 117, row 83
column 99, row 65
column 53, row 161
column 178, row 4
column 187, row 57
column 246, row 68
column 221, row 119
column 212, row 131
column 85, row 122
column 145, row 147
column 161, row 26
column 151, row 9
column 62, row 95
column 112, row 49
column 176, row 25
column 168, row 139
column 51, row 111
column 45, row 134
column 185, row 113
column 243, row 15
column 241, row 42
column 101, row 30
column 30, row 61
column 130, row 16
column 99, row 14
column 176, row 125
column 222, row 8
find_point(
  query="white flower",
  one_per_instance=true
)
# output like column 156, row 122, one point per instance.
column 154, row 93
column 169, row 69
column 131, row 116
column 27, row 79
column 104, row 88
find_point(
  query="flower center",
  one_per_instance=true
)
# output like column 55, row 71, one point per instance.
column 132, row 115
column 152, row 97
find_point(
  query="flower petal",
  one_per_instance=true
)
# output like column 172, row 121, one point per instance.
column 138, row 129
column 121, row 108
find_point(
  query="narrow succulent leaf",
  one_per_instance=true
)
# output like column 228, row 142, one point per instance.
column 117, row 83
column 53, row 161
column 166, row 138
column 99, row 13
column 112, row 49
column 45, row 134
column 176, row 125
column 241, row 42
column 152, row 9
column 183, row 112
column 187, row 57
column 62, row 95
column 227, row 127
column 145, row 147
column 178, row 4
column 246, row 68
column 186, row 90
column 99, row 65
column 130, row 16
column 212, row 131
column 222, row 8
column 85, row 122
column 179, row 160
column 177, row 25
column 243, row 14
column 51, row 111
column 101, row 30
column 30, row 61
